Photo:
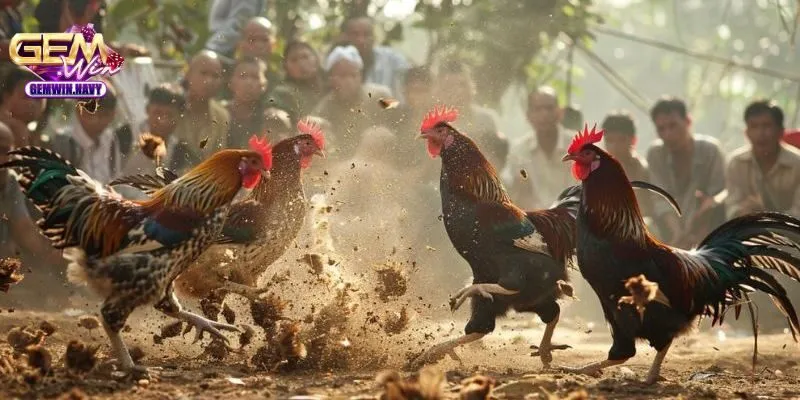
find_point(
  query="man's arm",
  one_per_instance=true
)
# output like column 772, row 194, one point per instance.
column 716, row 179
column 740, row 199
column 223, row 40
column 26, row 233
column 668, row 222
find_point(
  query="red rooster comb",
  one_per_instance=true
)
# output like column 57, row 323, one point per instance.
column 262, row 146
column 309, row 127
column 438, row 115
column 584, row 138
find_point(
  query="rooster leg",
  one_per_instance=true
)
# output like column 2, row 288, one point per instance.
column 655, row 370
column 114, row 314
column 169, row 305
column 438, row 352
column 249, row 292
column 546, row 345
column 479, row 289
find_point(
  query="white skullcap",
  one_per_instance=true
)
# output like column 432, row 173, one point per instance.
column 349, row 53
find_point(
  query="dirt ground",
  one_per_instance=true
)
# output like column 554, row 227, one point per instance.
column 711, row 364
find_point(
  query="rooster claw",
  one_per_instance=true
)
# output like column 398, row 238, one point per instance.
column 431, row 356
column 202, row 325
column 551, row 347
column 467, row 292
column 589, row 371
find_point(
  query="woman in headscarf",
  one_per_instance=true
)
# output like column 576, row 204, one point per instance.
column 351, row 106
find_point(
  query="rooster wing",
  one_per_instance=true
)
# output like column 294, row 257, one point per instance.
column 80, row 211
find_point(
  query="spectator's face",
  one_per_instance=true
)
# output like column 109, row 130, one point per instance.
column 162, row 119
column 256, row 41
column 24, row 108
column 361, row 34
column 345, row 80
column 302, row 64
column 763, row 133
column 204, row 78
column 618, row 144
column 95, row 124
column 543, row 112
column 247, row 83
column 455, row 89
column 673, row 129
column 418, row 95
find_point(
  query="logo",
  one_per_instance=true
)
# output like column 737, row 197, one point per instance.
column 65, row 62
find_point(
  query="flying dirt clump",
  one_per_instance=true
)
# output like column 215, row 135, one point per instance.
column 21, row 337
column 9, row 273
column 392, row 282
column 283, row 352
column 39, row 358
column 246, row 337
column 47, row 327
column 642, row 292
column 266, row 313
column 80, row 358
column 89, row 322
column 396, row 321
column 168, row 331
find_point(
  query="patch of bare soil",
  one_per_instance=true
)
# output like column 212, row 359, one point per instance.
column 48, row 355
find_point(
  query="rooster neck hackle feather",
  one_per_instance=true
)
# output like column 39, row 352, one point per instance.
column 206, row 187
column 611, row 206
column 468, row 170
column 285, row 171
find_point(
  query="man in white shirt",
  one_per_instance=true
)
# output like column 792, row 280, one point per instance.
column 90, row 142
column 535, row 174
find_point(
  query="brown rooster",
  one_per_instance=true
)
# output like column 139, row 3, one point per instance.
column 259, row 230
column 129, row 252
column 615, row 245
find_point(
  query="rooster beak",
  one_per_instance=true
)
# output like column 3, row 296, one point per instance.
column 567, row 157
column 422, row 136
column 320, row 153
column 266, row 174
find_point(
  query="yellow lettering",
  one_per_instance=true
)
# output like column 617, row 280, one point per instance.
column 48, row 48
column 14, row 47
column 88, row 50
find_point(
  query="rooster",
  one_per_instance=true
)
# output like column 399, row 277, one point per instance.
column 518, row 258
column 129, row 252
column 614, row 245
column 260, row 229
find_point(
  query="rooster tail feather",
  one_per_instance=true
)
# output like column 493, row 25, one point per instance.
column 743, row 250
column 41, row 173
column 777, row 293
